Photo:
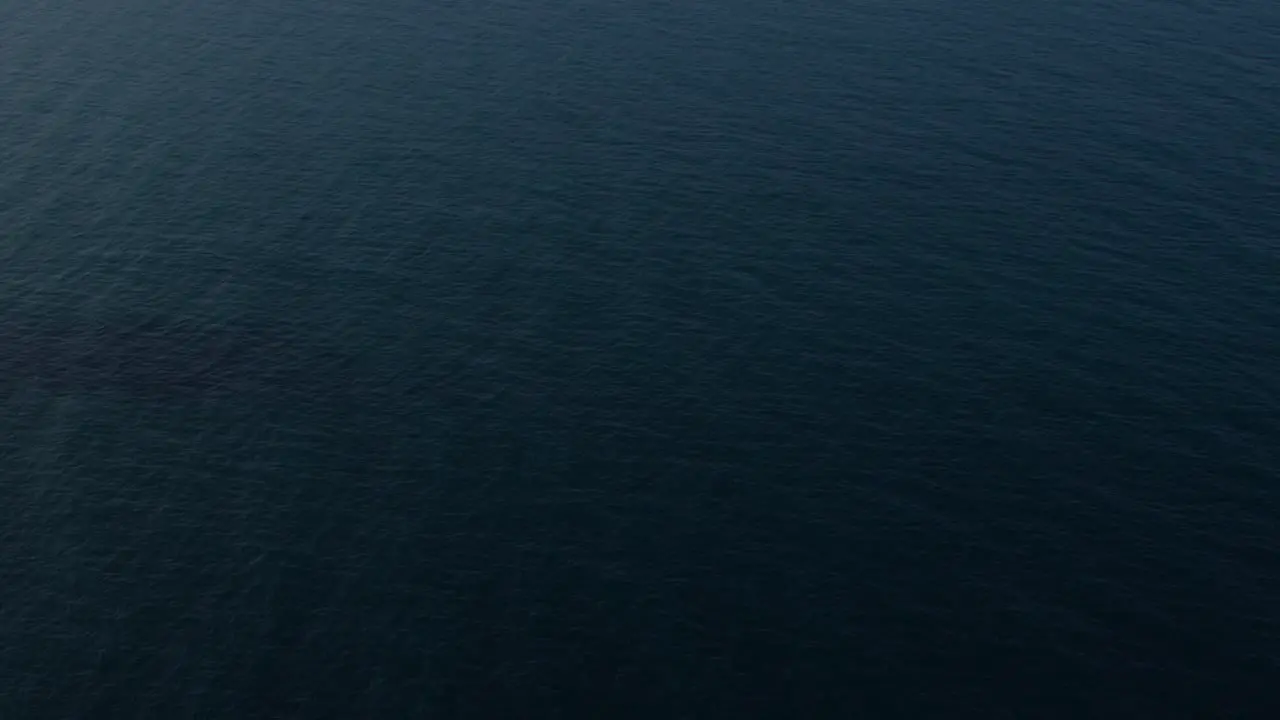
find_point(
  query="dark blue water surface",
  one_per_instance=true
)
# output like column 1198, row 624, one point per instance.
column 639, row 359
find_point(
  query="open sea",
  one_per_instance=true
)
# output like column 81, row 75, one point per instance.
column 613, row 359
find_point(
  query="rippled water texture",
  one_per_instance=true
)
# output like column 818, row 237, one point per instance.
column 603, row 359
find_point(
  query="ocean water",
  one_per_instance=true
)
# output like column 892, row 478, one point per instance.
column 651, row 359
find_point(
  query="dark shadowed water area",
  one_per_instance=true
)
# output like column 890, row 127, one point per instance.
column 602, row 359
